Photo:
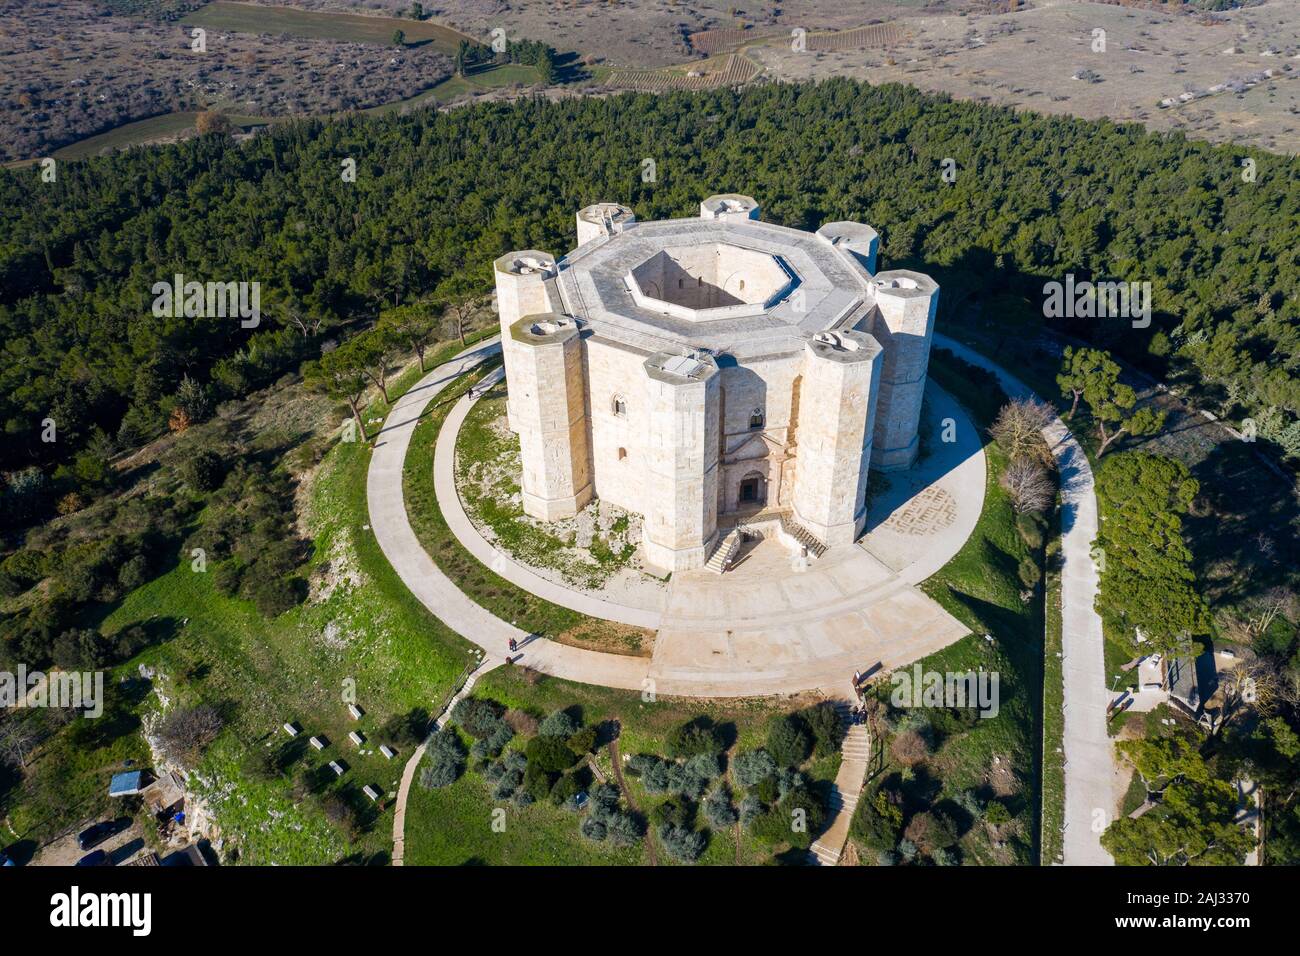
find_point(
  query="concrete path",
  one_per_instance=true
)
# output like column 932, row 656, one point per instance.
column 434, row 589
column 729, row 670
column 408, row 772
column 855, row 758
column 763, row 627
column 444, row 486
column 1090, row 767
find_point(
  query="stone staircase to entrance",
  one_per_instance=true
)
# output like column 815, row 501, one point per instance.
column 801, row 534
column 724, row 552
column 855, row 757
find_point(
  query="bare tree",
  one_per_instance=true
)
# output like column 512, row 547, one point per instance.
column 1030, row 486
column 17, row 740
column 1019, row 429
column 187, row 731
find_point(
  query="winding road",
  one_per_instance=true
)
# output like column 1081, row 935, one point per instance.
column 1089, row 756
column 1090, row 769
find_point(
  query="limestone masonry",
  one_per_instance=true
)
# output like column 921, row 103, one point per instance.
column 708, row 373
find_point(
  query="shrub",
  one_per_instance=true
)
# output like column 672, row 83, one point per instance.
column 767, row 790
column 27, row 566
column 997, row 813
column 676, row 810
column 751, row 808
column 752, row 766
column 805, row 815
column 877, row 822
column 624, row 829
column 187, row 731
column 653, row 773
column 477, row 716
column 718, row 809
column 583, row 742
column 826, row 727
column 134, row 573
column 406, row 729
column 706, row 766
column 1029, row 572
column 682, row 781
column 559, row 724
column 272, row 596
column 683, row 845
column 203, row 471
column 604, row 799
column 521, row 722
column 593, row 829
column 565, row 789
column 788, row 741
column 698, row 736
column 259, row 763
column 515, row 760
column 1031, row 527
column 788, row 780
column 909, row 748
column 931, row 830
column 507, row 784
column 550, row 754
column 445, row 759
column 227, row 578
column 340, row 812
column 538, row 782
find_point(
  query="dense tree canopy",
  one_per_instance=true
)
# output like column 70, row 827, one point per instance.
column 437, row 196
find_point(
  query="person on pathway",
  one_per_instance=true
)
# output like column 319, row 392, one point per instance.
column 514, row 645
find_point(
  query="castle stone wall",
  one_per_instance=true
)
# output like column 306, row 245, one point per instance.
column 840, row 378
column 681, row 487
column 906, row 302
column 550, row 388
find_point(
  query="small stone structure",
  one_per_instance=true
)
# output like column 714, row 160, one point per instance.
column 709, row 371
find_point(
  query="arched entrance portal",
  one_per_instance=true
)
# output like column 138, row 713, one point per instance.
column 753, row 491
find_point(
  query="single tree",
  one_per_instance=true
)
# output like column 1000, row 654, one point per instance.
column 413, row 326
column 340, row 373
column 1091, row 375
column 1030, row 486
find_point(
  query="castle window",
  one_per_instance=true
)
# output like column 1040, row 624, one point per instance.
column 620, row 406
column 756, row 419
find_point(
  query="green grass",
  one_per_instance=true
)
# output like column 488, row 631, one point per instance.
column 372, row 634
column 145, row 131
column 490, row 590
column 321, row 25
column 456, row 87
column 485, row 447
column 980, row 586
column 451, row 825
column 1053, row 799
column 375, row 636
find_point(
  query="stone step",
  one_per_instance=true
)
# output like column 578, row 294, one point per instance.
column 821, row 855
column 801, row 534
column 723, row 553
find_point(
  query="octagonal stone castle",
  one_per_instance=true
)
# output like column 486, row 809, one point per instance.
column 705, row 372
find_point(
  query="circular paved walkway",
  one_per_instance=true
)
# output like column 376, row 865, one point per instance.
column 795, row 633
